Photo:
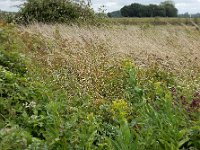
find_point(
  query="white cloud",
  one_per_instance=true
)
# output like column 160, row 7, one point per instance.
column 9, row 5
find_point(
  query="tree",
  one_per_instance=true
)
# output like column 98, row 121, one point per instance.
column 165, row 9
column 159, row 12
column 169, row 6
column 53, row 11
column 125, row 11
column 134, row 10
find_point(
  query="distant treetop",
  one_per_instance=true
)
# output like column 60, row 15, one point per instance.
column 164, row 9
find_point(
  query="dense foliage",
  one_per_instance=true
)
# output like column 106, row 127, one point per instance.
column 165, row 9
column 49, row 11
column 68, row 105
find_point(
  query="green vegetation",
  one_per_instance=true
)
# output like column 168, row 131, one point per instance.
column 165, row 9
column 51, row 11
column 153, row 21
column 7, row 16
column 62, row 87
column 115, row 14
column 87, row 101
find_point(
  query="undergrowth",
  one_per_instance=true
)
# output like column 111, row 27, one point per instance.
column 90, row 102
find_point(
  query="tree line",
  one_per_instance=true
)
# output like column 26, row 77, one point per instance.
column 164, row 9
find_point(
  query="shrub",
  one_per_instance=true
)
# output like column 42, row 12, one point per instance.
column 49, row 11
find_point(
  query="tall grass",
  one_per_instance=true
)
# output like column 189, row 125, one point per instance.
column 154, row 21
column 69, row 87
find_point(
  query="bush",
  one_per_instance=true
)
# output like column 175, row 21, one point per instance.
column 50, row 11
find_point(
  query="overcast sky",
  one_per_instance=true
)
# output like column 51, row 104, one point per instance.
column 191, row 6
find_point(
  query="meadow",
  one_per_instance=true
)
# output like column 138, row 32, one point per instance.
column 118, row 86
column 154, row 21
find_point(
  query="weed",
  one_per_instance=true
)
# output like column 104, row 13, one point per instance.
column 69, row 90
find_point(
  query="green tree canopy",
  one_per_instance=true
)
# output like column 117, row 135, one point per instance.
column 169, row 6
column 165, row 9
column 53, row 11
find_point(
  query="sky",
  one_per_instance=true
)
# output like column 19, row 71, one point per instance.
column 191, row 6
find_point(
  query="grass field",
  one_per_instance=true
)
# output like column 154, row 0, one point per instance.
column 172, row 47
column 154, row 21
column 123, row 87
